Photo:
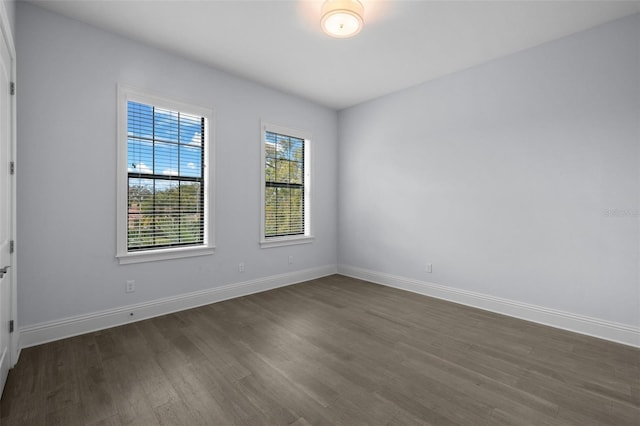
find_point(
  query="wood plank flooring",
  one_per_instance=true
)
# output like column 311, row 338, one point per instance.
column 333, row 351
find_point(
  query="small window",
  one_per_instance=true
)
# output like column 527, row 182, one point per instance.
column 163, row 189
column 286, row 183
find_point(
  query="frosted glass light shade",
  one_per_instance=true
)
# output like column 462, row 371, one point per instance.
column 342, row 18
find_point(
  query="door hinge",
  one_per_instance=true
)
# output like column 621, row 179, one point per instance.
column 12, row 88
column 12, row 167
column 11, row 326
column 12, row 246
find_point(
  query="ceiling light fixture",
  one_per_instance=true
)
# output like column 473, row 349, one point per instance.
column 342, row 18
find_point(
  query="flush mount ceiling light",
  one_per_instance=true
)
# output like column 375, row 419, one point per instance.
column 342, row 18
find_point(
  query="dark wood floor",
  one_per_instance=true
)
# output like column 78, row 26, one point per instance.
column 331, row 351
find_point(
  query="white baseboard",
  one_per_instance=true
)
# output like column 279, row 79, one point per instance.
column 68, row 327
column 37, row 334
column 620, row 333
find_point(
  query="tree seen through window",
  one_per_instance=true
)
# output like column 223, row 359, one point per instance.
column 284, row 185
column 165, row 165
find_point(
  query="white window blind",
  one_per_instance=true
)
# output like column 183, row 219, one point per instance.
column 284, row 185
column 165, row 178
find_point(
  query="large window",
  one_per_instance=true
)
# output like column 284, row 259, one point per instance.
column 286, row 182
column 163, row 198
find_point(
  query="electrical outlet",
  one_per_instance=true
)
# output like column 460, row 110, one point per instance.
column 429, row 268
column 130, row 287
column 241, row 267
column 290, row 260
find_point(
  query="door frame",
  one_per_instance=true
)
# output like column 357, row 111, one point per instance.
column 14, row 338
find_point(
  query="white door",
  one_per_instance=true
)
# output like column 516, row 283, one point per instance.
column 5, row 209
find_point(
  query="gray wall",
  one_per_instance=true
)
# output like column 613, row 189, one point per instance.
column 502, row 177
column 68, row 73
column 10, row 6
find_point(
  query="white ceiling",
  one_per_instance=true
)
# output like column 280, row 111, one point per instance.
column 279, row 43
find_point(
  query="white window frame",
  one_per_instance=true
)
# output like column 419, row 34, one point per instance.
column 307, row 237
column 124, row 256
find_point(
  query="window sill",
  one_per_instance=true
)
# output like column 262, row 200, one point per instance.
column 286, row 241
column 164, row 254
